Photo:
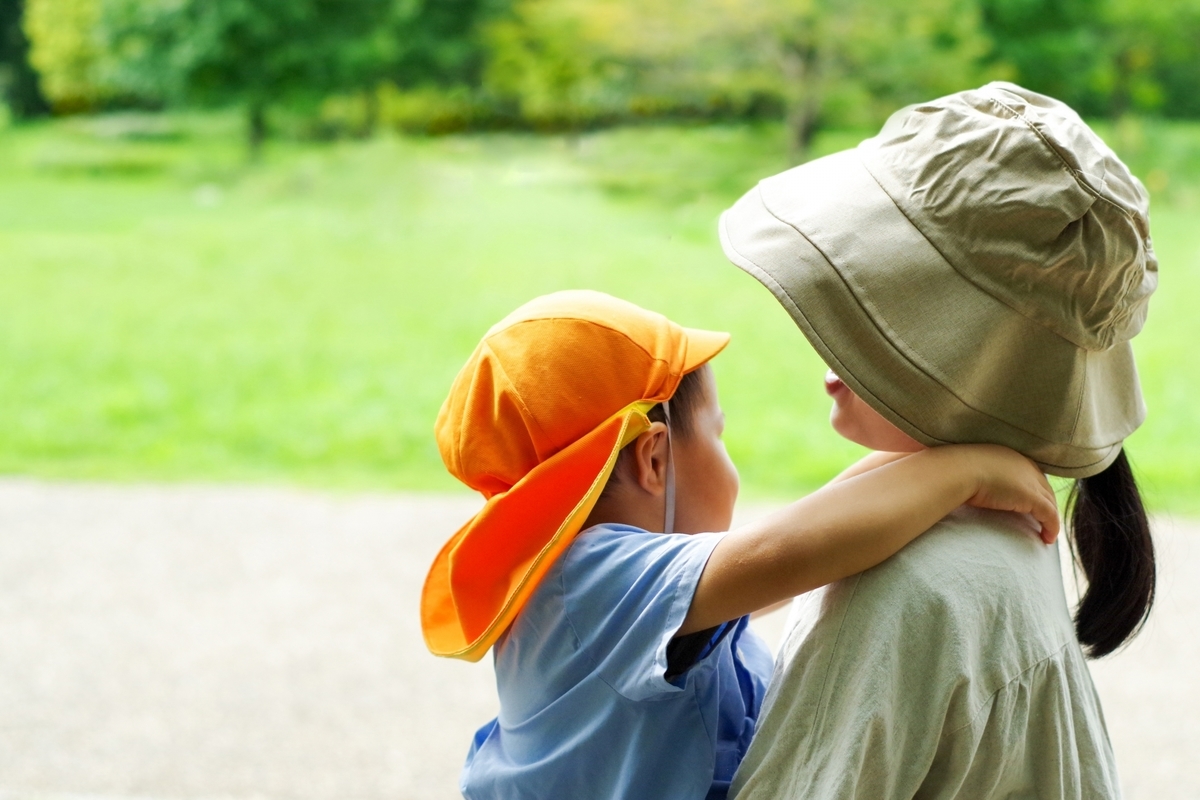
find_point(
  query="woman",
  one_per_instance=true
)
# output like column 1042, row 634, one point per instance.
column 972, row 274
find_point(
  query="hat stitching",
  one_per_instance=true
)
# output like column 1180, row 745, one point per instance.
column 516, row 394
column 917, row 362
column 1077, row 174
column 620, row 333
column 949, row 261
column 1106, row 329
column 785, row 297
column 1087, row 360
column 1122, row 310
column 500, row 366
column 459, row 430
column 1132, row 280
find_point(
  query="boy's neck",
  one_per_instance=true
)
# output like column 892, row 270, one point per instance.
column 642, row 510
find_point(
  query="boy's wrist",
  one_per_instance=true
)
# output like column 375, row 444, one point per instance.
column 959, row 465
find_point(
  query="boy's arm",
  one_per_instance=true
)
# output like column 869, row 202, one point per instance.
column 851, row 525
column 870, row 461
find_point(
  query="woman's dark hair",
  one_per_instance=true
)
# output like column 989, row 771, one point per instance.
column 1110, row 538
column 688, row 397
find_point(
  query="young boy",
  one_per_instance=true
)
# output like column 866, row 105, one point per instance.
column 624, row 663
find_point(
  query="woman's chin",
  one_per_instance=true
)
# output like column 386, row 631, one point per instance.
column 847, row 429
column 881, row 436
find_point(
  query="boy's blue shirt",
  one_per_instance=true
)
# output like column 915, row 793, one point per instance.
column 585, row 709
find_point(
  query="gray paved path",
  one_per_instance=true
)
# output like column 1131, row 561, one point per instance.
column 215, row 642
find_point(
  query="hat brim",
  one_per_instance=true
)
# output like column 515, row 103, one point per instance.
column 934, row 354
column 483, row 576
column 702, row 347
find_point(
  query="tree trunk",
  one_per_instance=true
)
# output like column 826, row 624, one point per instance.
column 256, row 128
column 1121, row 99
column 18, row 81
column 371, row 117
column 802, row 70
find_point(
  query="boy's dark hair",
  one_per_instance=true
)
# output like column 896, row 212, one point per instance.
column 687, row 398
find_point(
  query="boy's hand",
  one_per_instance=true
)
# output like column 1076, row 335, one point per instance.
column 1008, row 481
column 855, row 523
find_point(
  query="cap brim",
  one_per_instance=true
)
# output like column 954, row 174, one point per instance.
column 892, row 318
column 702, row 347
column 483, row 576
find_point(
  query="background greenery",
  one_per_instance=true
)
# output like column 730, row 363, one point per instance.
column 254, row 239
column 172, row 311
column 349, row 66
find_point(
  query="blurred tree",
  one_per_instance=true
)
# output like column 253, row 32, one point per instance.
column 1152, row 57
column 820, row 61
column 437, row 42
column 1054, row 46
column 575, row 63
column 556, row 61
column 66, row 52
column 437, row 56
column 18, row 82
column 1103, row 57
column 263, row 52
column 257, row 52
column 877, row 54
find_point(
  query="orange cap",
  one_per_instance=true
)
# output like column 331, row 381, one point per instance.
column 534, row 421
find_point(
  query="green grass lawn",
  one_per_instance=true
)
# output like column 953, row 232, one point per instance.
column 168, row 312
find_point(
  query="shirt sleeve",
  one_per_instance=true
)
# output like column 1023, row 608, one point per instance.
column 625, row 593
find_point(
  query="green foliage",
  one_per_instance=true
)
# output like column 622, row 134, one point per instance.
column 67, row 52
column 270, row 52
column 301, row 320
column 544, row 63
column 445, row 65
column 573, row 62
column 255, row 51
column 1103, row 57
column 19, row 90
column 426, row 110
column 1154, row 62
column 430, row 110
column 867, row 57
column 578, row 63
column 437, row 42
column 1052, row 46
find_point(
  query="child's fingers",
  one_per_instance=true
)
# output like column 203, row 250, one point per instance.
column 1053, row 526
column 1046, row 513
column 1045, row 510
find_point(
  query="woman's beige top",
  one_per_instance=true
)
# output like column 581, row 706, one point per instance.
column 949, row 671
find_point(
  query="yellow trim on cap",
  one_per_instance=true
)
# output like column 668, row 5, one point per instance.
column 636, row 422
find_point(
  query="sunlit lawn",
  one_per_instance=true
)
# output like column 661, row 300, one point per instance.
column 167, row 312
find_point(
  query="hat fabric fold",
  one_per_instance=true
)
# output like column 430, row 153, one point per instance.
column 974, row 273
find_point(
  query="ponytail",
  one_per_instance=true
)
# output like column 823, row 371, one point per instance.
column 1111, row 541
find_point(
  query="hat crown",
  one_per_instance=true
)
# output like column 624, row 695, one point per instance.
column 546, row 375
column 1027, row 203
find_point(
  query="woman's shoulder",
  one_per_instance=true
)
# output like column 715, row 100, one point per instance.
column 980, row 586
column 976, row 548
column 975, row 542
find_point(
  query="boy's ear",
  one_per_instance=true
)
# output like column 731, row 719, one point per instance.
column 649, row 465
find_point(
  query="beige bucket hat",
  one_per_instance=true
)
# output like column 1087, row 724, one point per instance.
column 974, row 272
